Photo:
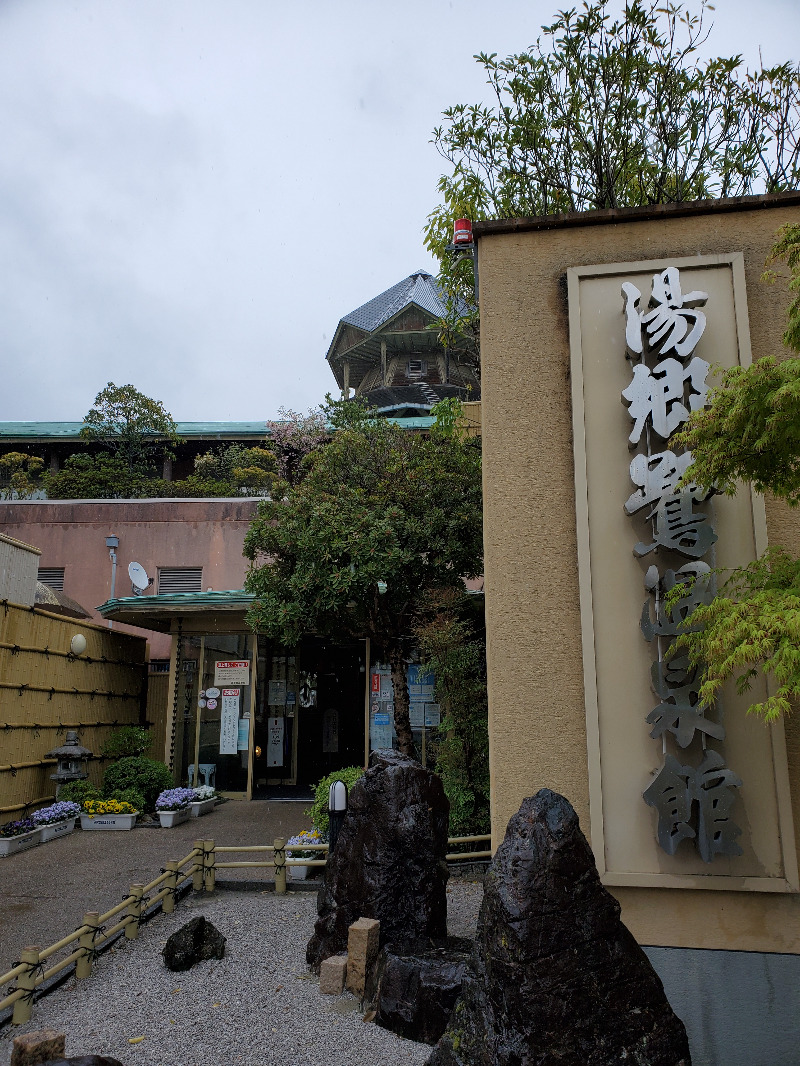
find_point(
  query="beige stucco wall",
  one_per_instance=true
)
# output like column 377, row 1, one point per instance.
column 536, row 695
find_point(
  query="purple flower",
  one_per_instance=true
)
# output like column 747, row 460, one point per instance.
column 57, row 812
column 18, row 828
column 174, row 799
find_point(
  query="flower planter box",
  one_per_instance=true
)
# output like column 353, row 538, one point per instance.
column 108, row 821
column 201, row 807
column 11, row 845
column 301, row 873
column 169, row 819
column 57, row 829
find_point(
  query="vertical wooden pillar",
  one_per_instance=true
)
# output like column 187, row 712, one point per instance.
column 383, row 362
column 23, row 1008
column 280, row 866
column 135, row 911
column 83, row 966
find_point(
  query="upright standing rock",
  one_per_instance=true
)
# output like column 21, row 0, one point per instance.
column 389, row 861
column 555, row 978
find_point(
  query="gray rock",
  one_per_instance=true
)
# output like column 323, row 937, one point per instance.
column 555, row 978
column 389, row 861
column 84, row 1060
column 418, row 985
column 193, row 942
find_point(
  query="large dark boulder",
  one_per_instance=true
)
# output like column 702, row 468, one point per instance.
column 389, row 861
column 193, row 942
column 555, row 978
column 418, row 985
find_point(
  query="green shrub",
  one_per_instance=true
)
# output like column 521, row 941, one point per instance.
column 134, row 796
column 127, row 740
column 146, row 776
column 318, row 811
column 78, row 791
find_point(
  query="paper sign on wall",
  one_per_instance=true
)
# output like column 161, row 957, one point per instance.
column 229, row 721
column 236, row 672
column 277, row 693
column 275, row 742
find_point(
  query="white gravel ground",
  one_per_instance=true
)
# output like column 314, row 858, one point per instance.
column 259, row 1006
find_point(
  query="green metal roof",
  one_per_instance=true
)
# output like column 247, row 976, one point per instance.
column 71, row 431
column 157, row 612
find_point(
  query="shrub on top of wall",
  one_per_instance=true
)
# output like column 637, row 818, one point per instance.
column 146, row 776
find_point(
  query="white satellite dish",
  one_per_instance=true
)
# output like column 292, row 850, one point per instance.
column 139, row 579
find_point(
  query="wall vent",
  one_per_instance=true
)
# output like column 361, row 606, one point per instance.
column 180, row 579
column 52, row 576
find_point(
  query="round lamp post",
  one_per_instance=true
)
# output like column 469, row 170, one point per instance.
column 72, row 759
column 337, row 809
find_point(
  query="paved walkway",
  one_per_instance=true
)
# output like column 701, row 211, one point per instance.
column 45, row 892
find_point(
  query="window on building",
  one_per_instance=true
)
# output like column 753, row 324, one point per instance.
column 416, row 369
column 180, row 579
column 159, row 666
column 52, row 576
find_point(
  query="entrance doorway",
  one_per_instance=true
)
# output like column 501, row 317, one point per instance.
column 309, row 717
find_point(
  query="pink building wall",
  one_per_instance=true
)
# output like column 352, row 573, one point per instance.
column 155, row 533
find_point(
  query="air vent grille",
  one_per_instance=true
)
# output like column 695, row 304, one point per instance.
column 180, row 579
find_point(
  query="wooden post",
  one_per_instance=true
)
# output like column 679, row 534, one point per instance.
column 168, row 902
column 280, row 866
column 383, row 362
column 135, row 911
column 23, row 1008
column 199, row 874
column 83, row 967
column 211, row 866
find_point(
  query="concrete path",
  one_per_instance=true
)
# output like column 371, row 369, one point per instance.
column 45, row 892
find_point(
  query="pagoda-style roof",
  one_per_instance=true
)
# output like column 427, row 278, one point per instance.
column 397, row 321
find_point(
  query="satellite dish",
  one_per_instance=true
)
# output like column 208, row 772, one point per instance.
column 139, row 579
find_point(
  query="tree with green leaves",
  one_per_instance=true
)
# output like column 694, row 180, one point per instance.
column 751, row 432
column 21, row 475
column 134, row 428
column 451, row 636
column 382, row 517
column 607, row 111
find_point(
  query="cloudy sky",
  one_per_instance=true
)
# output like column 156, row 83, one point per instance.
column 193, row 192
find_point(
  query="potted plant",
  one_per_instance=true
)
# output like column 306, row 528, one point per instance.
column 18, row 836
column 108, row 814
column 57, row 820
column 204, row 799
column 172, row 806
column 307, row 836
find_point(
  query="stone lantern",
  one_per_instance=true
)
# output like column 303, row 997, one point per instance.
column 72, row 761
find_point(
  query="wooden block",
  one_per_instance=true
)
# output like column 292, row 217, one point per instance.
column 363, row 943
column 332, row 974
column 33, row 1048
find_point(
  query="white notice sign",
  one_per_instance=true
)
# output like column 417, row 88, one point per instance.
column 275, row 742
column 232, row 673
column 229, row 721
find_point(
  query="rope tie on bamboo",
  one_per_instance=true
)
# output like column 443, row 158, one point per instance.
column 34, row 971
column 52, row 693
column 22, row 688
column 145, row 901
column 15, row 649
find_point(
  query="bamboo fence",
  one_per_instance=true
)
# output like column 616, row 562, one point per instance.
column 46, row 690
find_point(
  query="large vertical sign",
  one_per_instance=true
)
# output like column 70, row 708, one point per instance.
column 693, row 789
column 667, row 803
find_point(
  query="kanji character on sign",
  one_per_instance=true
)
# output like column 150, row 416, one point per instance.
column 674, row 320
column 657, row 397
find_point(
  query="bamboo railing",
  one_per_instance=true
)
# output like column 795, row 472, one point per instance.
column 200, row 866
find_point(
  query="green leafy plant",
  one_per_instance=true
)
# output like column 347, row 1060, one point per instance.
column 20, row 475
column 452, row 641
column 133, row 796
column 136, row 772
column 78, row 791
column 127, row 740
column 749, row 431
column 318, row 811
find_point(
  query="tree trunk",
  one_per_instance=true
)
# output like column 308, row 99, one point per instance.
column 402, row 722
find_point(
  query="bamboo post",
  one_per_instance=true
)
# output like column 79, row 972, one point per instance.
column 23, row 1008
column 168, row 902
column 210, row 857
column 199, row 871
column 135, row 911
column 83, row 966
column 280, row 866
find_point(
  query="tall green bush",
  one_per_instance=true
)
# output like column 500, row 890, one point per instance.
column 146, row 776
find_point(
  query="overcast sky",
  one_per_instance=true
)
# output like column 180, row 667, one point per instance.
column 194, row 192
